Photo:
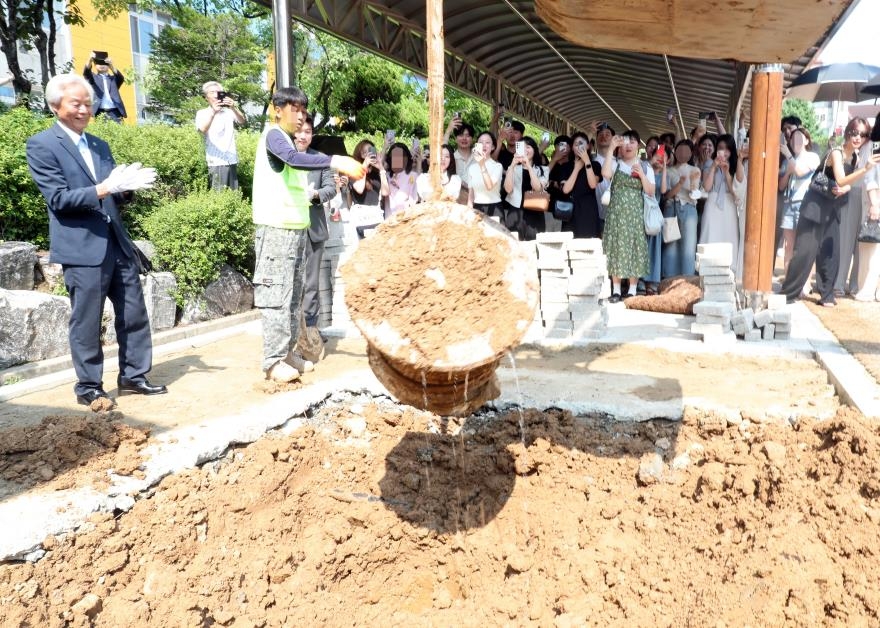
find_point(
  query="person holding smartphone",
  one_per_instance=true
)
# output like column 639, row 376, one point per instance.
column 369, row 193
column 216, row 123
column 624, row 236
column 524, row 175
column 580, row 185
column 720, row 218
column 679, row 257
column 794, row 183
column 485, row 176
column 105, row 81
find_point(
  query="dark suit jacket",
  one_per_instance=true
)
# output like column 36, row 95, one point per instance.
column 322, row 181
column 79, row 223
column 115, row 81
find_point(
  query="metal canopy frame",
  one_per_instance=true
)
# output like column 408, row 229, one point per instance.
column 500, row 51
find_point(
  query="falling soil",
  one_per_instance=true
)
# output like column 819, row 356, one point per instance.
column 65, row 451
column 376, row 514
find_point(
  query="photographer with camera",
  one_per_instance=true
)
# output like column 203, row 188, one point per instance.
column 105, row 81
column 216, row 123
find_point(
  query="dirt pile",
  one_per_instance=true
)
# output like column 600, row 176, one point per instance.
column 65, row 451
column 368, row 518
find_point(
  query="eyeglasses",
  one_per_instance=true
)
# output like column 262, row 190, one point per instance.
column 854, row 133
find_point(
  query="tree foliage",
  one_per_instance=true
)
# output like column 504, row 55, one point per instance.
column 216, row 48
column 21, row 26
column 804, row 110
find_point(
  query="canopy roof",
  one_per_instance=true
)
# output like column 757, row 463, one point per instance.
column 609, row 62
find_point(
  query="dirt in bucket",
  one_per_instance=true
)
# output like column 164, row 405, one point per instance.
column 367, row 517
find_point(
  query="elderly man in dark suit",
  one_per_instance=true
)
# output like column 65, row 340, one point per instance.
column 105, row 81
column 82, row 186
column 322, row 188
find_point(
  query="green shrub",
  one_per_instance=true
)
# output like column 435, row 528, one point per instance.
column 246, row 144
column 23, row 214
column 177, row 154
column 196, row 234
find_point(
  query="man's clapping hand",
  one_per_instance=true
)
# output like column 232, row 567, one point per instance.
column 129, row 178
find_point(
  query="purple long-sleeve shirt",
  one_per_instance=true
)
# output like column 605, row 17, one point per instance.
column 281, row 150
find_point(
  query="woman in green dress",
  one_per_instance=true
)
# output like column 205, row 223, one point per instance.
column 624, row 237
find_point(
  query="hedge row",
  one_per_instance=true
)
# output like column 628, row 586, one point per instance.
column 177, row 153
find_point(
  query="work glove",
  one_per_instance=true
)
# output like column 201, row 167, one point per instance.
column 130, row 178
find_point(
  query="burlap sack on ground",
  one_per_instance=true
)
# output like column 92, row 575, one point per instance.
column 677, row 296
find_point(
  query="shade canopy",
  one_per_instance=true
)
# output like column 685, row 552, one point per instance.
column 564, row 63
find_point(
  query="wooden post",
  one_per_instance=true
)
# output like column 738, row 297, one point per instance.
column 436, row 77
column 760, row 236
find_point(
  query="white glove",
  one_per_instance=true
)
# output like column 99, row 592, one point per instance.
column 129, row 178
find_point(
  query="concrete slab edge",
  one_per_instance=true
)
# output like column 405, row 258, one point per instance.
column 49, row 373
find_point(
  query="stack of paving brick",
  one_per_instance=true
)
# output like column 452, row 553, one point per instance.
column 587, row 285
column 715, row 312
column 553, row 273
column 773, row 323
column 338, row 248
column 573, row 278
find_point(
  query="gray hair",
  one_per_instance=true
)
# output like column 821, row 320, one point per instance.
column 211, row 85
column 59, row 83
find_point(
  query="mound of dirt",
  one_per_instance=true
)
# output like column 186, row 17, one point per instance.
column 368, row 517
column 60, row 450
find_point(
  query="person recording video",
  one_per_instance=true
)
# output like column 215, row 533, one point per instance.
column 105, row 81
column 216, row 123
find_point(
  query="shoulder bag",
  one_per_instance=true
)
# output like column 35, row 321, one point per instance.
column 653, row 215
column 671, row 231
column 821, row 184
column 870, row 232
column 536, row 200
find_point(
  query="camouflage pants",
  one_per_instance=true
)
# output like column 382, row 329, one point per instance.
column 278, row 288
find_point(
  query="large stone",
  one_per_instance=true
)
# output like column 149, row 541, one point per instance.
column 33, row 326
column 17, row 263
column 158, row 295
column 50, row 274
column 229, row 294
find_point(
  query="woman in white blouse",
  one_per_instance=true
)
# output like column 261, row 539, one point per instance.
column 525, row 175
column 484, row 176
column 450, row 181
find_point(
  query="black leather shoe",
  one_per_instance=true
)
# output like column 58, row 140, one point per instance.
column 89, row 396
column 614, row 298
column 139, row 387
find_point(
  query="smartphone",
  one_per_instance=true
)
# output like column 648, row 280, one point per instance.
column 875, row 148
column 562, row 147
column 661, row 150
column 701, row 120
column 100, row 57
column 415, row 145
column 545, row 137
column 221, row 96
column 390, row 135
column 520, row 149
column 371, row 150
column 507, row 124
column 457, row 114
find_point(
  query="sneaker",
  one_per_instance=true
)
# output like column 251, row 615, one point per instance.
column 282, row 372
column 299, row 363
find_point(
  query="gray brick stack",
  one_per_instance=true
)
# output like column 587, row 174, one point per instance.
column 773, row 323
column 714, row 314
column 573, row 277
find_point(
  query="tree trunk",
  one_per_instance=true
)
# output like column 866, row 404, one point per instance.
column 9, row 45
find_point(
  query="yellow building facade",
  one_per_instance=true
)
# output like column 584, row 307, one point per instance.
column 127, row 39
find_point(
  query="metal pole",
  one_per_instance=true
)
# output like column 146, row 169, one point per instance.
column 760, row 236
column 285, row 73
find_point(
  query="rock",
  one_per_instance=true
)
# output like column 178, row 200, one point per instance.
column 229, row 294
column 161, row 307
column 663, row 443
column 52, row 274
column 17, row 263
column 147, row 248
column 33, row 326
column 651, row 469
column 775, row 453
column 90, row 605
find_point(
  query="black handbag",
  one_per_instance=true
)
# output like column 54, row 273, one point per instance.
column 821, row 183
column 870, row 232
column 563, row 210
